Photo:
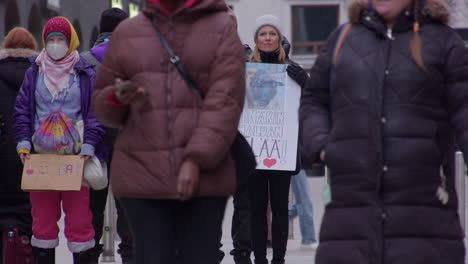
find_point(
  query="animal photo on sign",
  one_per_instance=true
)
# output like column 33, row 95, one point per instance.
column 265, row 91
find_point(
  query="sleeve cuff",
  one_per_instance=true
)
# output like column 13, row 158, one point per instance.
column 87, row 150
column 24, row 147
column 113, row 101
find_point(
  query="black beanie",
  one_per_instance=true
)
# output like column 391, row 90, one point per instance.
column 110, row 18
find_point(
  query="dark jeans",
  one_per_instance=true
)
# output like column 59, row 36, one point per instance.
column 98, row 203
column 240, row 231
column 170, row 231
column 273, row 186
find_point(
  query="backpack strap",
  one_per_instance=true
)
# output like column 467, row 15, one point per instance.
column 91, row 60
column 339, row 43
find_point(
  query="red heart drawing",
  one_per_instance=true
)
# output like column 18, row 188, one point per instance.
column 269, row 162
column 30, row 172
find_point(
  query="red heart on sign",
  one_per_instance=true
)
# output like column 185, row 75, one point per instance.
column 30, row 172
column 269, row 162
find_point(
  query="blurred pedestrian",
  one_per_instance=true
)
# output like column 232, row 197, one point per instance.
column 110, row 19
column 172, row 168
column 303, row 209
column 385, row 99
column 240, row 228
column 15, row 208
column 57, row 91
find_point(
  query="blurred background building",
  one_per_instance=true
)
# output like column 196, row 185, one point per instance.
column 84, row 14
column 306, row 23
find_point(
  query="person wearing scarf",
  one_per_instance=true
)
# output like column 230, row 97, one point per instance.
column 59, row 79
column 270, row 186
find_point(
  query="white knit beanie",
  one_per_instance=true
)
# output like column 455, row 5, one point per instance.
column 267, row 20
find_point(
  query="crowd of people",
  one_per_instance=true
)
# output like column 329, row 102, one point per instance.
column 158, row 101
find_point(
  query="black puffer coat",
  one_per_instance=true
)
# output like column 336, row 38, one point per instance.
column 386, row 126
column 15, row 209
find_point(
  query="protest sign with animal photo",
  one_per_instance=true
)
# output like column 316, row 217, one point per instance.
column 269, row 121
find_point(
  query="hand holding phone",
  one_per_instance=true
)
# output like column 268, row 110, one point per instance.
column 126, row 92
column 124, row 87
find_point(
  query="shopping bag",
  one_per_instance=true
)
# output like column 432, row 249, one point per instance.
column 326, row 191
column 16, row 248
column 95, row 173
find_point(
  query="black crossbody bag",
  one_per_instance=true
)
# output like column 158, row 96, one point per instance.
column 240, row 148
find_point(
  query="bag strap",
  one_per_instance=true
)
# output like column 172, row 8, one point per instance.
column 339, row 44
column 92, row 60
column 175, row 60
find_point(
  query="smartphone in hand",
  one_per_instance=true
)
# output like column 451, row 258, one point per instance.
column 124, row 87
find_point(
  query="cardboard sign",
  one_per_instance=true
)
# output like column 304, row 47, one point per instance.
column 270, row 120
column 48, row 172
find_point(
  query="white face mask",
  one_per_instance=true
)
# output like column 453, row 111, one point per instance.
column 56, row 51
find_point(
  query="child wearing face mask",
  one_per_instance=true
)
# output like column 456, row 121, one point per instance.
column 59, row 85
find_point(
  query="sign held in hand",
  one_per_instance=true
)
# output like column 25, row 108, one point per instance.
column 270, row 121
column 49, row 172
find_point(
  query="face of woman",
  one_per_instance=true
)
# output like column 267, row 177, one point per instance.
column 390, row 10
column 268, row 39
column 57, row 40
column 57, row 47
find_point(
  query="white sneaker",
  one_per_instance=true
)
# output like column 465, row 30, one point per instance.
column 311, row 246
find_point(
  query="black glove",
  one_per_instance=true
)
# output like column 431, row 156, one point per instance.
column 297, row 73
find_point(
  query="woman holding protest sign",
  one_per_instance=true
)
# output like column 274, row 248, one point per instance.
column 269, row 185
column 53, row 116
column 386, row 98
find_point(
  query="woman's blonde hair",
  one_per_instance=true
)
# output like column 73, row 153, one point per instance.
column 255, row 57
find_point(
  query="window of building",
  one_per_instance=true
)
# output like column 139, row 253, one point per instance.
column 117, row 4
column 311, row 26
column 133, row 9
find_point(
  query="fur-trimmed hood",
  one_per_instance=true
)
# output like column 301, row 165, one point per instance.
column 437, row 10
column 21, row 53
column 13, row 65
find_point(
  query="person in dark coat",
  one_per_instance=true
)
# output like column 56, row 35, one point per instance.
column 15, row 208
column 110, row 19
column 385, row 99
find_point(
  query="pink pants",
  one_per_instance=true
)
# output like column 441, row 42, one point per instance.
column 46, row 211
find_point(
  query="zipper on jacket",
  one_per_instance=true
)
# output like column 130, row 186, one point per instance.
column 170, row 125
column 382, row 163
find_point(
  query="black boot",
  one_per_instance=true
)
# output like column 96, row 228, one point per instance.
column 242, row 260
column 90, row 256
column 261, row 261
column 83, row 257
column 241, row 257
column 277, row 262
column 44, row 255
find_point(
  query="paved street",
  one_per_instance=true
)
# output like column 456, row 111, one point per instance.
column 294, row 256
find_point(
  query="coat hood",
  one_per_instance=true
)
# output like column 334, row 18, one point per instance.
column 13, row 64
column 437, row 10
column 21, row 53
column 203, row 6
